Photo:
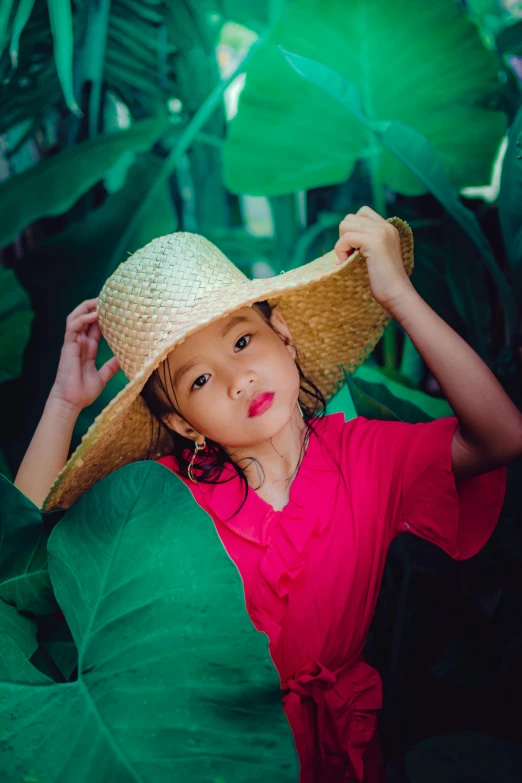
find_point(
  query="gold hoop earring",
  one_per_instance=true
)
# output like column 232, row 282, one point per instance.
column 191, row 463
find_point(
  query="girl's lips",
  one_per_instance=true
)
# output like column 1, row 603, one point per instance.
column 260, row 404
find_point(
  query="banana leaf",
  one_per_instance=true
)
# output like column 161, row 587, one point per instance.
column 60, row 18
column 55, row 184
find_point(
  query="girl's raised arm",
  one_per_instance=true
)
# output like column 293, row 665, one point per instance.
column 78, row 383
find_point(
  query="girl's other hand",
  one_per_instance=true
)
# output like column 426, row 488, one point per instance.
column 378, row 241
column 78, row 382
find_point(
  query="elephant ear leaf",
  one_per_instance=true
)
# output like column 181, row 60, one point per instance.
column 174, row 683
column 378, row 396
column 365, row 399
column 21, row 630
column 24, row 576
column 289, row 134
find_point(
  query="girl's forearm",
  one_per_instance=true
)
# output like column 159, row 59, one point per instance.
column 48, row 451
column 487, row 416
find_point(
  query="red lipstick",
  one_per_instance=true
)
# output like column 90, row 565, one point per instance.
column 260, row 403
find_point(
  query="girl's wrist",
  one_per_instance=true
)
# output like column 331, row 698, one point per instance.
column 60, row 408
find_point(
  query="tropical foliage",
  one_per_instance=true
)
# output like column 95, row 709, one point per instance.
column 259, row 125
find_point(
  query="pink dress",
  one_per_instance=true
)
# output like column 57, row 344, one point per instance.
column 312, row 571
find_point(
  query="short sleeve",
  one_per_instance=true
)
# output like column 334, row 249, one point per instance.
column 412, row 466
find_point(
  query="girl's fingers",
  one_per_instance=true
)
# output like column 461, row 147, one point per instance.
column 78, row 324
column 84, row 307
column 92, row 338
column 108, row 370
column 94, row 331
column 348, row 242
column 370, row 213
column 81, row 322
column 353, row 223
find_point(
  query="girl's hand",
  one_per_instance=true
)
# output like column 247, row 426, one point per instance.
column 78, row 383
column 378, row 241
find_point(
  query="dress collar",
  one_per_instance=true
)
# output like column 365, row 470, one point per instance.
column 257, row 518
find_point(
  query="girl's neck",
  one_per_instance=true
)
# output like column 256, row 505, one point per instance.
column 279, row 457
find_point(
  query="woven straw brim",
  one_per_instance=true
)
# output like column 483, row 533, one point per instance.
column 334, row 320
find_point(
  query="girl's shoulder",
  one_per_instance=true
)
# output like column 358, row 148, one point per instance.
column 169, row 461
column 335, row 428
column 172, row 464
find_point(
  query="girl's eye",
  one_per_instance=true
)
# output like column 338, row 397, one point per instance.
column 243, row 338
column 196, row 384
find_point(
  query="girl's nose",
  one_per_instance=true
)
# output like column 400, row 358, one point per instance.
column 242, row 383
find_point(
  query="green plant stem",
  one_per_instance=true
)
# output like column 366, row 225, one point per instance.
column 375, row 151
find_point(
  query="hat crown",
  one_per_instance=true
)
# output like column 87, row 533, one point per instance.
column 148, row 293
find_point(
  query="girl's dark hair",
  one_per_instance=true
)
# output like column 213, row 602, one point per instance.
column 209, row 466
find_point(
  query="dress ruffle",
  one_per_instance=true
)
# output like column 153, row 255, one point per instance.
column 307, row 513
column 284, row 534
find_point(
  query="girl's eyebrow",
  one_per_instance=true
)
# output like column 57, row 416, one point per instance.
column 237, row 319
column 180, row 372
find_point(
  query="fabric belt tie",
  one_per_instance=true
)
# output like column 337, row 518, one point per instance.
column 309, row 713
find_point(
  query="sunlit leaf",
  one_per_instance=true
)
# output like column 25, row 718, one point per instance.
column 409, row 61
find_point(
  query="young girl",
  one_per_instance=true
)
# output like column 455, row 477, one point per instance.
column 228, row 383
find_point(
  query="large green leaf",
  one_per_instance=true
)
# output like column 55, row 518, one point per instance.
column 418, row 155
column 55, row 638
column 410, row 62
column 22, row 630
column 174, row 683
column 24, row 577
column 376, row 396
column 54, row 185
column 367, row 404
column 254, row 15
column 16, row 318
column 4, row 466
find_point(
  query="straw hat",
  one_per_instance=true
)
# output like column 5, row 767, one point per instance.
column 178, row 283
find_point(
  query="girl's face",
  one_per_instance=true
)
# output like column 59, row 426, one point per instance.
column 218, row 371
